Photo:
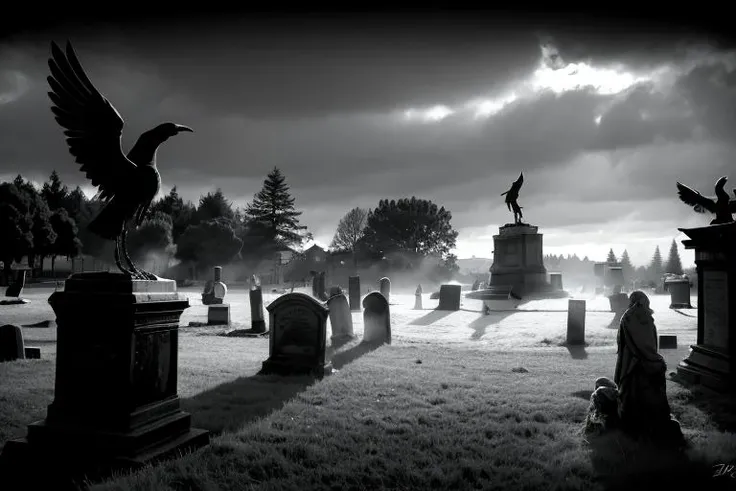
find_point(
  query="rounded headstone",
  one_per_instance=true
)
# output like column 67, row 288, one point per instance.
column 384, row 286
column 376, row 319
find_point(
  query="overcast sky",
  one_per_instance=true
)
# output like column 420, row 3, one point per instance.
column 602, row 121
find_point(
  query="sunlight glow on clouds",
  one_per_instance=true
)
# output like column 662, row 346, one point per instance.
column 433, row 114
column 576, row 76
column 552, row 74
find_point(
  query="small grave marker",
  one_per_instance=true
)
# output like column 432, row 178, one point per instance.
column 575, row 322
column 450, row 297
column 384, row 286
column 667, row 342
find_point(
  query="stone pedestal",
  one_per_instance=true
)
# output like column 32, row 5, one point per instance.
column 518, row 261
column 712, row 361
column 115, row 399
column 679, row 294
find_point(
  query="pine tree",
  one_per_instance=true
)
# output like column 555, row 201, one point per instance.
column 655, row 267
column 273, row 207
column 611, row 257
column 674, row 265
column 626, row 267
column 54, row 192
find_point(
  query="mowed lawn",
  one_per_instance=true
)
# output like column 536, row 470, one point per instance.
column 413, row 415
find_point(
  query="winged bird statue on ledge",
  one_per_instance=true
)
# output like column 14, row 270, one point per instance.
column 511, row 196
column 721, row 206
column 127, row 184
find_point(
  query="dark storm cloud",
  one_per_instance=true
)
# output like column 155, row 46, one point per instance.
column 318, row 105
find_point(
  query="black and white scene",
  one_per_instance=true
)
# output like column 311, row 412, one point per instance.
column 401, row 249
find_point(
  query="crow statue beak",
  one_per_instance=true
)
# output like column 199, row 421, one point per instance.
column 181, row 127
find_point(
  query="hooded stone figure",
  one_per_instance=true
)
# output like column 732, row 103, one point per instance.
column 640, row 373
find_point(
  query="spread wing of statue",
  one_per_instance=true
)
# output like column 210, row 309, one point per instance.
column 127, row 184
column 721, row 205
column 512, row 195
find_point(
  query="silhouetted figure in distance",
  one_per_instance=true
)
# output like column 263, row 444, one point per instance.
column 512, row 195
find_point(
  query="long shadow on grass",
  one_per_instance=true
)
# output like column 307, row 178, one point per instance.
column 577, row 352
column 229, row 406
column 480, row 324
column 343, row 358
column 623, row 463
column 431, row 318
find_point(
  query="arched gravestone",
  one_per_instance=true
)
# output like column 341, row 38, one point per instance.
column 384, row 286
column 376, row 319
column 298, row 336
column 11, row 343
column 341, row 319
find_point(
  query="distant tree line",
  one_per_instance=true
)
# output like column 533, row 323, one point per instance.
column 52, row 221
column 649, row 274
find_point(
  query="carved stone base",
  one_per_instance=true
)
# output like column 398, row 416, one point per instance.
column 709, row 367
column 115, row 399
column 518, row 260
column 65, row 461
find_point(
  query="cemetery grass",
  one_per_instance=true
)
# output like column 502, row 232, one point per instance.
column 426, row 417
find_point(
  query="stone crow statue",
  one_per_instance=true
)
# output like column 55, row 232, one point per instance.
column 512, row 195
column 127, row 184
column 721, row 206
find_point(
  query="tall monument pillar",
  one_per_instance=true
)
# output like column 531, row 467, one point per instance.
column 712, row 361
column 517, row 259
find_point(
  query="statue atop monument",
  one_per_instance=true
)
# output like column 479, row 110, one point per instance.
column 721, row 206
column 511, row 196
column 127, row 184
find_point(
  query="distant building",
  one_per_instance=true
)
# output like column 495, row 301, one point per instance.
column 315, row 254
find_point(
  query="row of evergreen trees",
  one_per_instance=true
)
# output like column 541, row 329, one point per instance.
column 656, row 267
column 52, row 221
column 572, row 265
